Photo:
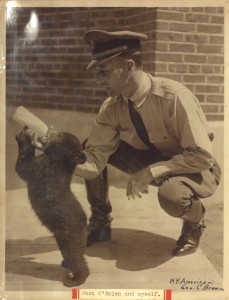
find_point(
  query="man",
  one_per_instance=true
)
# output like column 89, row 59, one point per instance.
column 167, row 143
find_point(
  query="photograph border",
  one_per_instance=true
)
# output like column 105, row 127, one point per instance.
column 176, row 295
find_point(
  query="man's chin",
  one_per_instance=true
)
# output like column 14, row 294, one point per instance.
column 111, row 93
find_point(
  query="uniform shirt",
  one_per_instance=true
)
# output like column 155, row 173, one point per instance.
column 174, row 121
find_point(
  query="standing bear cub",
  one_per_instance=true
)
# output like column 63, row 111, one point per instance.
column 48, row 178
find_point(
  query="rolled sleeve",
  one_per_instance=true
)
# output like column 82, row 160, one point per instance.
column 87, row 171
column 160, row 171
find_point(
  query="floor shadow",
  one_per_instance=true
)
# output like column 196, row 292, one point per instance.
column 17, row 248
column 134, row 250
column 26, row 266
column 17, row 263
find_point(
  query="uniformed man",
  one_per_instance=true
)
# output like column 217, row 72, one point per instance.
column 151, row 128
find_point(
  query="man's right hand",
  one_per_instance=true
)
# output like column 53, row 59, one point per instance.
column 37, row 141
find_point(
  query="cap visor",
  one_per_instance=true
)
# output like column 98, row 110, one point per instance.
column 95, row 62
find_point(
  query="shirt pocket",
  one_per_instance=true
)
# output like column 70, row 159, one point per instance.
column 158, row 135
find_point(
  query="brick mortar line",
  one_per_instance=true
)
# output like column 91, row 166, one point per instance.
column 58, row 45
column 193, row 43
column 71, row 96
column 177, row 11
column 59, row 95
column 87, row 80
column 88, row 88
column 56, row 29
column 191, row 63
column 93, row 96
column 190, row 43
column 189, row 12
column 161, row 72
column 53, row 54
column 60, row 71
column 186, row 43
column 190, row 22
column 188, row 32
column 184, row 53
column 52, row 86
column 74, row 10
column 92, row 80
column 145, row 42
column 156, row 30
column 80, row 55
column 155, row 62
column 192, row 73
column 71, row 20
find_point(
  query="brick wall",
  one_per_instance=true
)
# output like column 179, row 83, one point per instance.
column 185, row 44
column 189, row 49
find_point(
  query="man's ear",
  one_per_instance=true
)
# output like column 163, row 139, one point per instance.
column 130, row 64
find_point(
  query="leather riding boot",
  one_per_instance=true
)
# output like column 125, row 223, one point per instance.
column 99, row 227
column 189, row 239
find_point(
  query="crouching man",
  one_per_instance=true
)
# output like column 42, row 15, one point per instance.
column 151, row 128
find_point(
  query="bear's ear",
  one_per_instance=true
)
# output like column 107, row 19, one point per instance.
column 80, row 157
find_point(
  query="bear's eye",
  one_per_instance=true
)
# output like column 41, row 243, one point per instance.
column 76, row 152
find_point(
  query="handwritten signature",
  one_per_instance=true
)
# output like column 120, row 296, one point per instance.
column 201, row 285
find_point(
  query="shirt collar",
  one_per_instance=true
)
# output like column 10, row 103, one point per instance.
column 142, row 91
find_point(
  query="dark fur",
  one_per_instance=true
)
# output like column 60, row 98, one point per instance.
column 48, row 178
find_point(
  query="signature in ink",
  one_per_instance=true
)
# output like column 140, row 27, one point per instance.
column 200, row 285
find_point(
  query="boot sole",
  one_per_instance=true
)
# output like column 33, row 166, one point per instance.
column 185, row 252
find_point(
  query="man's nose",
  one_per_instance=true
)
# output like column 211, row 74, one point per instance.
column 100, row 79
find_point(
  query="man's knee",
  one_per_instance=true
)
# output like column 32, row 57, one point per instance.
column 174, row 197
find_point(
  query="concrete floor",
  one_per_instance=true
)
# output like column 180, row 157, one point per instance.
column 139, row 254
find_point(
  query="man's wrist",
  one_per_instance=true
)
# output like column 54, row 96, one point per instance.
column 160, row 172
column 87, row 170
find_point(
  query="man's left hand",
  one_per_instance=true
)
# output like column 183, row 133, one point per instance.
column 138, row 183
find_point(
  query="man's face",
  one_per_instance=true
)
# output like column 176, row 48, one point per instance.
column 113, row 75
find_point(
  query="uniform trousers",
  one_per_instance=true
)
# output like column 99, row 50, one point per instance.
column 179, row 196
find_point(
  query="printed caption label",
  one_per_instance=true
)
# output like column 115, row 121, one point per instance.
column 122, row 294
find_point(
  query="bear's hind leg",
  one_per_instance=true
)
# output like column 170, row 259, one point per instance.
column 72, row 251
column 78, row 271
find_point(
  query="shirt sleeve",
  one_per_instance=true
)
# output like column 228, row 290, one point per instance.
column 189, row 126
column 104, row 138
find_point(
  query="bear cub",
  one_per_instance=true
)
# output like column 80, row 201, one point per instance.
column 48, row 178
